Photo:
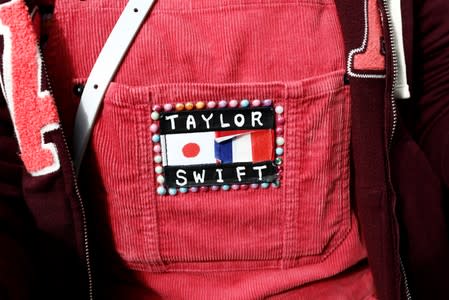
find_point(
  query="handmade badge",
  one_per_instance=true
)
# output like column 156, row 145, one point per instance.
column 217, row 146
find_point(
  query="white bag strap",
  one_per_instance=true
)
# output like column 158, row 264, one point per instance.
column 108, row 61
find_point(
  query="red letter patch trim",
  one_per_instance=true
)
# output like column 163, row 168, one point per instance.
column 33, row 110
column 368, row 61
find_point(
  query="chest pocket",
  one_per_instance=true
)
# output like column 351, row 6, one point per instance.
column 303, row 213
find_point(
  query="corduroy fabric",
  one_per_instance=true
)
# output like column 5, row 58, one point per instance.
column 307, row 217
column 291, row 52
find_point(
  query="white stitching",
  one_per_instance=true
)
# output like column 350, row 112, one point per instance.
column 361, row 49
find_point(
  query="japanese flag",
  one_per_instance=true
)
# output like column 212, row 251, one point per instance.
column 188, row 148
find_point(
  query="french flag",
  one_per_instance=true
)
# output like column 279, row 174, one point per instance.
column 244, row 146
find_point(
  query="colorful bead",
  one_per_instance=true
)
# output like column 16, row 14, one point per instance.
column 189, row 106
column 160, row 179
column 278, row 161
column 279, row 151
column 155, row 116
column 233, row 103
column 204, row 189
column 244, row 187
column 179, row 106
column 267, row 102
column 254, row 186
column 194, row 189
column 235, row 187
column 183, row 190
column 157, row 148
column 161, row 190
column 172, row 191
column 280, row 120
column 158, row 159
column 225, row 187
column 279, row 109
column 264, row 185
column 279, row 130
column 280, row 141
column 214, row 188
column 276, row 184
column 156, row 138
column 154, row 128
column 244, row 103
column 211, row 104
column 157, row 107
column 158, row 169
column 222, row 103
column 168, row 107
column 256, row 103
column 200, row 105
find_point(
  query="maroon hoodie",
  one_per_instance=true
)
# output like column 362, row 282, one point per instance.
column 398, row 171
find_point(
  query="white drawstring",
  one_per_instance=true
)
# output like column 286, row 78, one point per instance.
column 402, row 90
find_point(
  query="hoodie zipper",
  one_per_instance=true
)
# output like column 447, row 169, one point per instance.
column 77, row 191
column 84, row 218
column 394, row 124
column 406, row 287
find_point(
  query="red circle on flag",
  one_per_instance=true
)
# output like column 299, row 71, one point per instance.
column 191, row 150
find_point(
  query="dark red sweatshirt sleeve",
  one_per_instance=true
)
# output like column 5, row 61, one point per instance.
column 16, row 228
column 432, row 78
column 17, row 231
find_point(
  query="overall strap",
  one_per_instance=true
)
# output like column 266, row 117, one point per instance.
column 106, row 65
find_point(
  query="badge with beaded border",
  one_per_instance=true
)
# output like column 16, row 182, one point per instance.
column 217, row 145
